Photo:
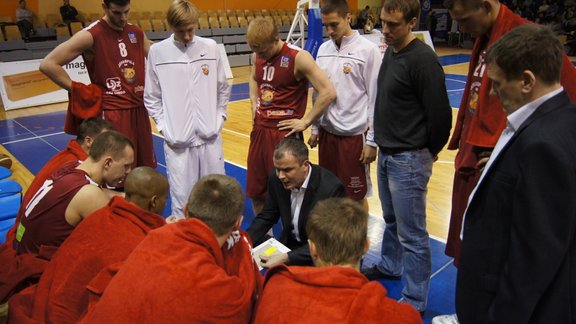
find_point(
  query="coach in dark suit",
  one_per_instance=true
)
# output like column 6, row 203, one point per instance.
column 294, row 188
column 519, row 237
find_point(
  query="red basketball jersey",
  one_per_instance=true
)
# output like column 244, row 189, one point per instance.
column 44, row 221
column 280, row 95
column 116, row 63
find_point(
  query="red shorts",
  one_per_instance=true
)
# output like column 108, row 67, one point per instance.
column 340, row 155
column 260, row 163
column 135, row 124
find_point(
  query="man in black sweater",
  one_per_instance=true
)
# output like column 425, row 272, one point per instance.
column 412, row 121
column 69, row 13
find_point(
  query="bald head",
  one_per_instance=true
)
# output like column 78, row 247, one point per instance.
column 146, row 188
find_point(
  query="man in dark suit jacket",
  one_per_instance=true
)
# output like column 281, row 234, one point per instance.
column 294, row 188
column 518, row 261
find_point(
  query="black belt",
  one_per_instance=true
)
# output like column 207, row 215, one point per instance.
column 392, row 151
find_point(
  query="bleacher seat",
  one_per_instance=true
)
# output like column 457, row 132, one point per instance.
column 18, row 55
column 230, row 49
column 239, row 60
column 286, row 20
column 277, row 20
column 235, row 39
column 135, row 15
column 9, row 187
column 233, row 21
column 213, row 22
column 62, row 31
column 8, row 210
column 146, row 15
column 204, row 32
column 75, row 27
column 5, row 173
column 242, row 22
column 158, row 25
column 243, row 48
column 12, row 45
column 203, row 23
column 157, row 35
column 93, row 17
column 224, row 23
column 53, row 20
column 12, row 32
column 145, row 24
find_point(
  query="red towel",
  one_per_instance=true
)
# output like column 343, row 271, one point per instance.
column 328, row 295
column 85, row 101
column 106, row 237
column 179, row 274
column 17, row 271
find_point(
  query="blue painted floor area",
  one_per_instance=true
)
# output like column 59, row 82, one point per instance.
column 240, row 91
column 34, row 140
column 455, row 84
column 454, row 59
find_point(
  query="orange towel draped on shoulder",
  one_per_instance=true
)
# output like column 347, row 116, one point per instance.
column 179, row 274
column 105, row 238
column 328, row 295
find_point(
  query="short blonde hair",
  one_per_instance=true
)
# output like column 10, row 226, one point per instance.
column 182, row 13
column 262, row 31
column 338, row 227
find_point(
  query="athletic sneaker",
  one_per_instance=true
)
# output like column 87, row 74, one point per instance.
column 445, row 319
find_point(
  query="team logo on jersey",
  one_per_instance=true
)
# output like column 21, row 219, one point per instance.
column 132, row 37
column 266, row 97
column 347, row 68
column 114, row 84
column 284, row 61
column 205, row 69
column 128, row 70
column 280, row 113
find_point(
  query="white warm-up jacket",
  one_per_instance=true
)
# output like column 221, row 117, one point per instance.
column 353, row 70
column 186, row 91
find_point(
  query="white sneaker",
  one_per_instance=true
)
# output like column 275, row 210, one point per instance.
column 445, row 319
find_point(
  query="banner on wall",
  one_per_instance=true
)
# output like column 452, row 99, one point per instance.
column 314, row 32
column 23, row 85
column 442, row 27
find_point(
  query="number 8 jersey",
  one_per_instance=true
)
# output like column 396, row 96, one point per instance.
column 280, row 95
column 116, row 63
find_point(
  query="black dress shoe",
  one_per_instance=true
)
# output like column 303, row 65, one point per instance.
column 373, row 273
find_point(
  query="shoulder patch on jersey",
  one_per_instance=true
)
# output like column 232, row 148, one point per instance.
column 132, row 37
column 284, row 61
